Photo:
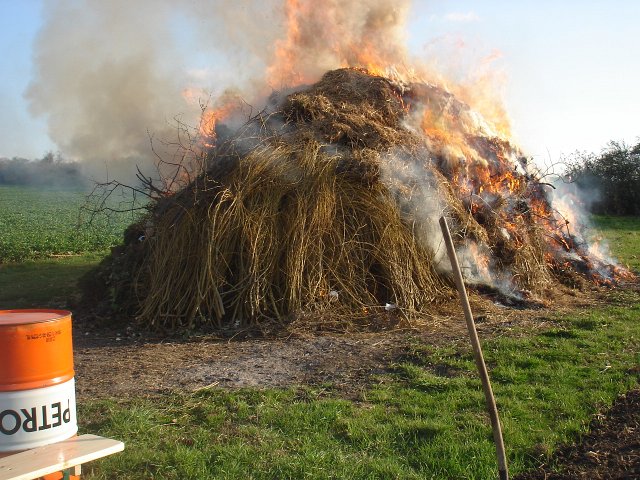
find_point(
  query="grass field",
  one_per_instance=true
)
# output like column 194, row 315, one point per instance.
column 39, row 223
column 622, row 234
column 413, row 423
column 45, row 283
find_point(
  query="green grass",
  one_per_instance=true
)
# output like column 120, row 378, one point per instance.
column 48, row 283
column 622, row 234
column 37, row 223
column 414, row 424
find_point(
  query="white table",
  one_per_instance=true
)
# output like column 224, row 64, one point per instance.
column 70, row 453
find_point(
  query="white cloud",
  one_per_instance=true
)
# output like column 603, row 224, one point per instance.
column 461, row 17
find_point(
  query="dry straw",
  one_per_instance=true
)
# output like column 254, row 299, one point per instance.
column 293, row 216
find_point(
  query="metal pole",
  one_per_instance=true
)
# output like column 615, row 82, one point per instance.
column 477, row 352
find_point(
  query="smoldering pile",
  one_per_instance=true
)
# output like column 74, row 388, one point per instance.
column 327, row 206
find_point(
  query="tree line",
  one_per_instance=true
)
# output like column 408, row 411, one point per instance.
column 610, row 180
column 50, row 170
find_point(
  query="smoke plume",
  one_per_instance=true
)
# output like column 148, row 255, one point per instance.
column 111, row 76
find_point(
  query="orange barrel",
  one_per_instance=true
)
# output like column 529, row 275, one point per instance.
column 37, row 389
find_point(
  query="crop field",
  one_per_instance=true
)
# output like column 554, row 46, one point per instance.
column 39, row 223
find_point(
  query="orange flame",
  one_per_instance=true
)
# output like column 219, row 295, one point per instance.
column 227, row 105
column 335, row 34
column 475, row 153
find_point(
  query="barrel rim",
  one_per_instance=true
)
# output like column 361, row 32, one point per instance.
column 36, row 384
column 56, row 315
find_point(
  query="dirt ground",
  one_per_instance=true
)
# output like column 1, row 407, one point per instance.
column 123, row 362
column 610, row 451
column 119, row 361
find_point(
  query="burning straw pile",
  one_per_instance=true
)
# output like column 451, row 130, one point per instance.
column 326, row 205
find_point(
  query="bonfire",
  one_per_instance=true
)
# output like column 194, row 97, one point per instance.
column 325, row 205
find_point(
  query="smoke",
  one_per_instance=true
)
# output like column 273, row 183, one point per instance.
column 111, row 76
column 419, row 199
column 572, row 203
column 421, row 202
column 106, row 78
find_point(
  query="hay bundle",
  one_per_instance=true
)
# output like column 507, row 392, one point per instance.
column 312, row 215
column 277, row 235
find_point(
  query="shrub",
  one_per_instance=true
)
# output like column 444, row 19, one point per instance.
column 614, row 174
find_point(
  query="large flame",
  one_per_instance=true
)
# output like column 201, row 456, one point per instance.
column 467, row 132
column 335, row 34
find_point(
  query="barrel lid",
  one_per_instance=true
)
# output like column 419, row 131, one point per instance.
column 21, row 317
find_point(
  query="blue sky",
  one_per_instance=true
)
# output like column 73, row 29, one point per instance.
column 20, row 133
column 570, row 69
